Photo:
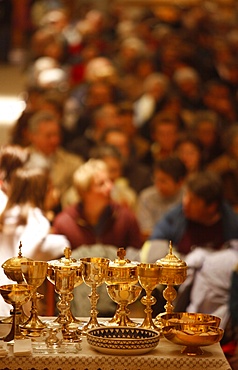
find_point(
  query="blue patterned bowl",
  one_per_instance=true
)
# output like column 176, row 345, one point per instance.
column 122, row 340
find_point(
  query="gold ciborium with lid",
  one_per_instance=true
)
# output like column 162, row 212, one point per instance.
column 121, row 280
column 173, row 271
column 65, row 274
column 12, row 266
column 12, row 269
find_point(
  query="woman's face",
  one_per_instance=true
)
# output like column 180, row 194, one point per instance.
column 101, row 186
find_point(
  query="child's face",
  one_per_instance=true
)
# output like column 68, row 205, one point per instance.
column 165, row 184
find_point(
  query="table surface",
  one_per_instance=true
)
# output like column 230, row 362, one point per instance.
column 165, row 356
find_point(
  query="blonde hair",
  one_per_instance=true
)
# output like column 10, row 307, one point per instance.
column 84, row 175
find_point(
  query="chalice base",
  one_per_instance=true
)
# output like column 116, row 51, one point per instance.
column 192, row 351
column 33, row 327
column 121, row 321
column 92, row 324
column 22, row 319
column 71, row 333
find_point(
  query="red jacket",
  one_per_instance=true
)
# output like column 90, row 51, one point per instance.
column 117, row 226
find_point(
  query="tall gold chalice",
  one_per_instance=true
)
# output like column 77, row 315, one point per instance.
column 121, row 275
column 16, row 295
column 94, row 274
column 65, row 274
column 149, row 278
column 34, row 274
column 123, row 295
column 173, row 272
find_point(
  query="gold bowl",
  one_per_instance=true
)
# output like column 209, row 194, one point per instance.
column 193, row 336
column 189, row 318
column 123, row 340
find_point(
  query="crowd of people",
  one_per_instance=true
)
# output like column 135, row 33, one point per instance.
column 131, row 115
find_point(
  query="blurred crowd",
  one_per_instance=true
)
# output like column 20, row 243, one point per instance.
column 125, row 107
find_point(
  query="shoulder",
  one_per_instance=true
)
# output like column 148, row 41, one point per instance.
column 67, row 156
column 72, row 211
column 122, row 212
column 149, row 192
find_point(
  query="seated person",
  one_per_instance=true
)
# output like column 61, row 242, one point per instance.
column 226, row 166
column 154, row 201
column 209, row 276
column 203, row 218
column 23, row 220
column 44, row 132
column 96, row 218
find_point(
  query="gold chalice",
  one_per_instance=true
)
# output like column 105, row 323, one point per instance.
column 34, row 274
column 65, row 274
column 16, row 295
column 149, row 278
column 123, row 295
column 94, row 274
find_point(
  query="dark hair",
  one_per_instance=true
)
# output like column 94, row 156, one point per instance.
column 172, row 166
column 105, row 150
column 28, row 186
column 27, row 189
column 189, row 138
column 38, row 117
column 164, row 118
column 11, row 158
column 207, row 186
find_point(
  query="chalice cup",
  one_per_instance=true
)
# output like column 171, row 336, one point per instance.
column 149, row 278
column 16, row 295
column 34, row 274
column 94, row 275
column 124, row 295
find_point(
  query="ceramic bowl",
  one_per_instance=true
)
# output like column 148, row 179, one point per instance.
column 189, row 318
column 122, row 340
column 193, row 336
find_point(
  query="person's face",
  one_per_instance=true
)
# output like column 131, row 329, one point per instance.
column 206, row 133
column 120, row 141
column 166, row 136
column 165, row 184
column 47, row 137
column 101, row 186
column 195, row 208
column 190, row 156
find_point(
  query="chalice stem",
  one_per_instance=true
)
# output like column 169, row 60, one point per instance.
column 148, row 301
column 123, row 313
column 93, row 296
column 63, row 307
column 169, row 295
column 16, row 325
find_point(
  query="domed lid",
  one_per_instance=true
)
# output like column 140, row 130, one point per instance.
column 14, row 263
column 65, row 261
column 171, row 261
column 121, row 262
